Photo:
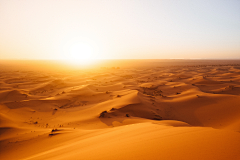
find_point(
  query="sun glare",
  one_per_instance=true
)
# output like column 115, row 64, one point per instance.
column 80, row 54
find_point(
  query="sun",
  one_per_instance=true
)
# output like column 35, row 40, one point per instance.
column 80, row 54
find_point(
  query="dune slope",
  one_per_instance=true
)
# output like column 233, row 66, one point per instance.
column 177, row 112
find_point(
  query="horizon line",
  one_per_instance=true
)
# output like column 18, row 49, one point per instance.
column 126, row 59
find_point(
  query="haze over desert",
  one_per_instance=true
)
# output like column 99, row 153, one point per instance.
column 119, row 80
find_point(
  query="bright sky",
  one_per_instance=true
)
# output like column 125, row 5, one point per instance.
column 128, row 29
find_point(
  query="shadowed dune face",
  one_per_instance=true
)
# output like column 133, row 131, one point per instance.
column 83, row 106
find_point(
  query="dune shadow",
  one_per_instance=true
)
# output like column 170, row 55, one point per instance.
column 54, row 111
column 53, row 134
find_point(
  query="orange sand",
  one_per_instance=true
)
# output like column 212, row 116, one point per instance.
column 177, row 110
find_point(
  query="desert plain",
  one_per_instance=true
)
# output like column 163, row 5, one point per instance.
column 122, row 109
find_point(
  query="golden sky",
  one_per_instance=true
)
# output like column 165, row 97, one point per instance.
column 112, row 29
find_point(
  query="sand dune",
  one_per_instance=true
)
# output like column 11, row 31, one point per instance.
column 140, row 112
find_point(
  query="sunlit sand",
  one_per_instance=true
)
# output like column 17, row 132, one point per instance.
column 119, row 80
column 142, row 109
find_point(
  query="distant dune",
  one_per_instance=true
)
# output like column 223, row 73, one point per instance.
column 120, row 109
